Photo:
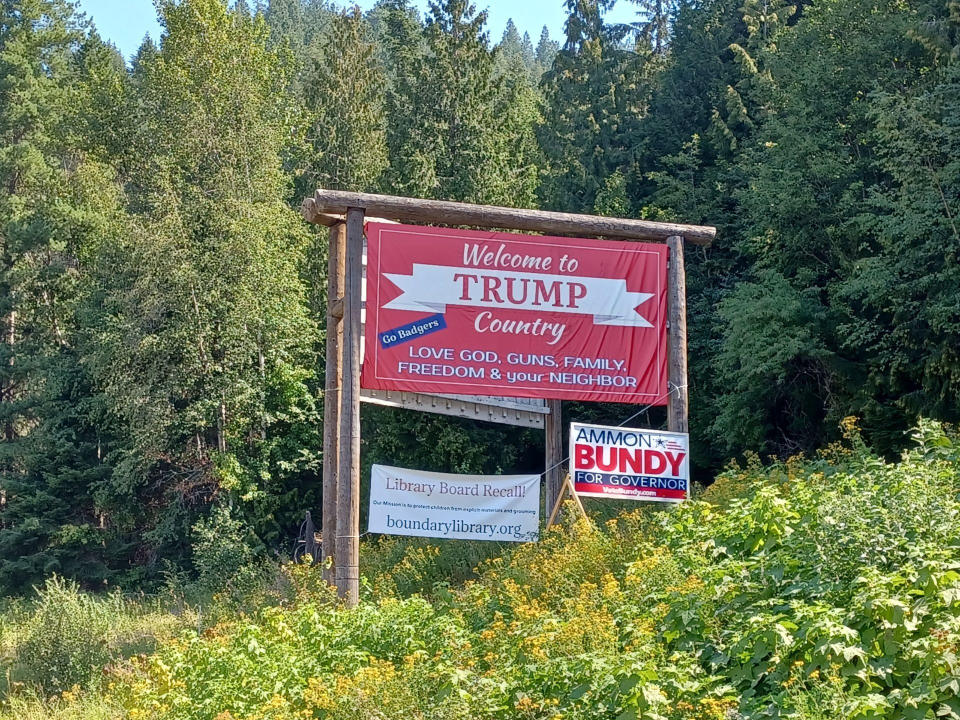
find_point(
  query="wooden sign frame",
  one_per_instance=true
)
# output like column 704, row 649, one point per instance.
column 567, row 489
column 457, row 406
column 344, row 213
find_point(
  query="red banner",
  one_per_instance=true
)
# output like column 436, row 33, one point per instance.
column 492, row 313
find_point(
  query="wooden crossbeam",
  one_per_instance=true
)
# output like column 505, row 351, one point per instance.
column 326, row 205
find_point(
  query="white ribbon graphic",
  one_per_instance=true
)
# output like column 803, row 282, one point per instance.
column 432, row 287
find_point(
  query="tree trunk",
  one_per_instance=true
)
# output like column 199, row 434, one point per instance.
column 6, row 393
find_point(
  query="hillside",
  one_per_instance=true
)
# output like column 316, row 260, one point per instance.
column 165, row 312
column 820, row 588
column 163, row 304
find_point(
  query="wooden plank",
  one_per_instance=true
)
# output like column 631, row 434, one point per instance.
column 348, row 474
column 572, row 489
column 557, row 504
column 567, row 488
column 331, row 401
column 459, row 406
column 553, row 452
column 534, row 405
column 677, row 407
column 442, row 212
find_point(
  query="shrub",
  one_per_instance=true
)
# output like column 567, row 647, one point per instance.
column 233, row 574
column 401, row 566
column 824, row 588
column 222, row 549
column 66, row 641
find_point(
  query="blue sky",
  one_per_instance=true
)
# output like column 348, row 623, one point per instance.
column 125, row 22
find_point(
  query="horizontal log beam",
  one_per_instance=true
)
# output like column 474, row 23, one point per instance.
column 328, row 204
column 328, row 219
column 308, row 210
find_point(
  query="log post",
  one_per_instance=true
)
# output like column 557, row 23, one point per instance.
column 331, row 399
column 310, row 538
column 677, row 406
column 348, row 472
column 553, row 445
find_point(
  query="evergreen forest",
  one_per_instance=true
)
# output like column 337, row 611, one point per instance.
column 162, row 339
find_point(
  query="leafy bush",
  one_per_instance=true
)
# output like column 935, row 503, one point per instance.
column 401, row 566
column 66, row 641
column 803, row 590
column 222, row 549
column 232, row 573
column 68, row 705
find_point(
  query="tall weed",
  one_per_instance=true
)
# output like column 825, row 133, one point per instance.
column 66, row 640
column 811, row 589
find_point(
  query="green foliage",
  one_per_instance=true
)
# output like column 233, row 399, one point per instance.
column 908, row 336
column 162, row 305
column 805, row 589
column 399, row 567
column 514, row 53
column 612, row 199
column 65, row 643
column 594, row 94
column 343, row 92
column 222, row 549
column 67, row 706
column 655, row 22
column 204, row 343
column 546, row 49
column 57, row 645
column 788, row 125
column 58, row 202
column 412, row 170
column 773, row 333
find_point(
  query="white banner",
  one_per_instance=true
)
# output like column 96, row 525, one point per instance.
column 432, row 287
column 505, row 508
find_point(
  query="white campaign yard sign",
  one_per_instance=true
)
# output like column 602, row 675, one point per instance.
column 456, row 507
column 629, row 464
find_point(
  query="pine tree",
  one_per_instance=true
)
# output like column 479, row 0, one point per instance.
column 515, row 53
column 453, row 126
column 412, row 150
column 145, row 55
column 457, row 98
column 595, row 94
column 509, row 51
column 746, row 98
column 57, row 202
column 529, row 56
column 300, row 24
column 546, row 51
column 344, row 90
column 286, row 21
column 612, row 199
column 655, row 24
column 900, row 302
column 516, row 146
column 807, row 171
